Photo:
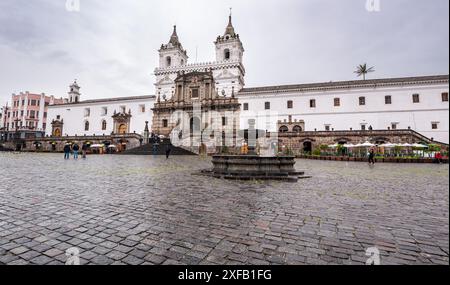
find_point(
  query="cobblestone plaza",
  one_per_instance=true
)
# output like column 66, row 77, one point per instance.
column 145, row 210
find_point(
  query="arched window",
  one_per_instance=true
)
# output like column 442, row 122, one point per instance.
column 103, row 125
column 284, row 129
column 297, row 129
column 86, row 126
column 168, row 61
column 227, row 54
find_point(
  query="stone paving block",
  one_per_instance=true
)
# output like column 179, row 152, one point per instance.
column 19, row 250
column 53, row 252
column 155, row 259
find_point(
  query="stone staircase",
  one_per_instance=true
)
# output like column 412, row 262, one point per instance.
column 147, row 149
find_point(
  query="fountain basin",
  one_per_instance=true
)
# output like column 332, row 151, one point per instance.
column 253, row 167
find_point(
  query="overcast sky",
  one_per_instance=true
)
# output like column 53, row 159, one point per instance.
column 111, row 46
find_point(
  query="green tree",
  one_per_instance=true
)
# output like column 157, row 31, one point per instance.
column 363, row 70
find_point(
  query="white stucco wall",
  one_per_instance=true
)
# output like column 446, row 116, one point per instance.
column 74, row 116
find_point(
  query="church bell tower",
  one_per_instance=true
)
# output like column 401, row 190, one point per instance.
column 229, row 47
column 172, row 54
column 74, row 92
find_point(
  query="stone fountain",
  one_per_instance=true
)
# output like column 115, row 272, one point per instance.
column 252, row 166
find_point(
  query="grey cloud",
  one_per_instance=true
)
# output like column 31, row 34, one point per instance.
column 111, row 46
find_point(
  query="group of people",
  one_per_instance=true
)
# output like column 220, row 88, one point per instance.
column 75, row 149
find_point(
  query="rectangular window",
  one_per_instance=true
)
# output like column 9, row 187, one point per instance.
column 44, row 126
column 327, row 128
column 104, row 111
column 312, row 103
column 362, row 101
column 245, row 106
column 416, row 98
column 394, row 126
column 388, row 100
column 224, row 121
column 142, row 108
column 165, row 123
column 33, row 102
column 87, row 112
column 363, row 127
column 32, row 114
column 23, row 102
column 444, row 97
column 337, row 102
column 194, row 93
column 290, row 104
column 434, row 125
column 267, row 105
column 45, row 114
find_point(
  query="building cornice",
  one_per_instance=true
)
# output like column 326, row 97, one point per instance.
column 346, row 85
column 200, row 67
column 106, row 100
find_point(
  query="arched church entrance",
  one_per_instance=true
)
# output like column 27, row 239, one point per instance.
column 57, row 132
column 123, row 129
column 307, row 147
column 194, row 128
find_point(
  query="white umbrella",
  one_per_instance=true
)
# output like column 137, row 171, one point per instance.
column 388, row 145
column 349, row 145
column 112, row 146
column 97, row 145
column 333, row 146
column 418, row 145
column 367, row 144
column 406, row 145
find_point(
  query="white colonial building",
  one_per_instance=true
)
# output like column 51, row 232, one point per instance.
column 417, row 103
column 99, row 117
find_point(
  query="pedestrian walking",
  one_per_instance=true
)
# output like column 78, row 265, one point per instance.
column 168, row 150
column 67, row 151
column 84, row 148
column 155, row 149
column 372, row 156
column 438, row 157
column 75, row 149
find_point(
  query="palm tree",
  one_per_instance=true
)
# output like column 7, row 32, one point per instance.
column 363, row 70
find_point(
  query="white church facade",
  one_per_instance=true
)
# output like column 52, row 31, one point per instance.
column 416, row 103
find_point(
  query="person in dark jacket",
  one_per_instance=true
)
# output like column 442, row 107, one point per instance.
column 168, row 150
column 84, row 148
column 371, row 156
column 75, row 149
column 67, row 151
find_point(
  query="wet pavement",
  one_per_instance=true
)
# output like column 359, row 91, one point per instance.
column 145, row 210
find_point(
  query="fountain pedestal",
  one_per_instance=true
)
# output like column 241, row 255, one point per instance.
column 253, row 167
